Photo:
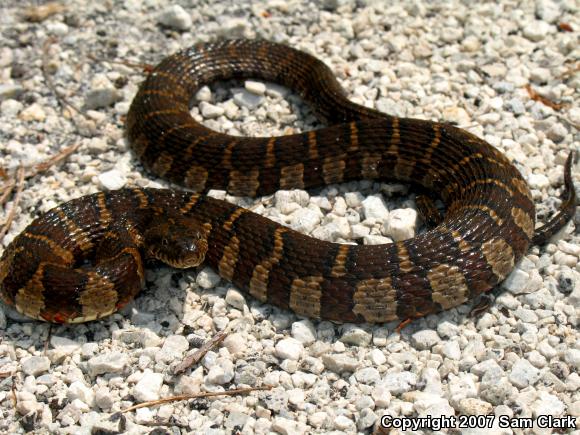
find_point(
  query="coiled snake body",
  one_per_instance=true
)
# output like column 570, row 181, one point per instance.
column 83, row 259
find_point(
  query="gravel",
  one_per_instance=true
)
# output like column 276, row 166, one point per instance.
column 464, row 63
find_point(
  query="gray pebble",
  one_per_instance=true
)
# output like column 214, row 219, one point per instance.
column 425, row 339
column 102, row 97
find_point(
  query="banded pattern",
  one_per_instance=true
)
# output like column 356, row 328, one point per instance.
column 82, row 260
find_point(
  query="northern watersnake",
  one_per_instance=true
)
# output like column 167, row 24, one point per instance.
column 83, row 259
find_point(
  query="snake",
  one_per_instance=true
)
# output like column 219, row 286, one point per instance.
column 85, row 258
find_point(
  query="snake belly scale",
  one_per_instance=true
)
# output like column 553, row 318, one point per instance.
column 84, row 259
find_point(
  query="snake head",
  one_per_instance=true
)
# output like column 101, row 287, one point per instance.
column 179, row 242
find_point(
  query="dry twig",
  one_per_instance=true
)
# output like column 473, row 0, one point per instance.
column 22, row 174
column 19, row 186
column 146, row 67
column 190, row 396
column 198, row 355
column 62, row 101
column 545, row 101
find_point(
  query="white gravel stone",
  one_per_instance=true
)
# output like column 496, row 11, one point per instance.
column 247, row 99
column 286, row 426
column 538, row 181
column 343, row 423
column 78, row 390
column 111, row 362
column 207, row 278
column 572, row 358
column 210, row 111
column 373, row 239
column 148, row 387
column 547, row 404
column 304, row 332
column 339, row 363
column 523, row 374
column 548, row 10
column 451, row 350
column 368, row 375
column 103, row 398
column 377, row 357
column 35, row 365
column 305, row 220
column 235, row 298
column 536, row 30
column 112, row 180
column 173, row 347
column 10, row 107
column 398, row 383
column 446, row 329
column 26, row 403
column 175, row 17
column 355, row 335
column 520, row 281
column 374, row 207
column 401, row 224
column 10, row 91
column 289, row 348
column 34, row 112
column 221, row 373
column 204, row 94
column 473, row 406
column 254, row 87
column 101, row 97
column 425, row 339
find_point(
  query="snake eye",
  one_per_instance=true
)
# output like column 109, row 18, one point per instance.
column 164, row 241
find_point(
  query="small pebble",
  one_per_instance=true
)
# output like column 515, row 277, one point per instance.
column 35, row 365
column 289, row 348
column 148, row 387
column 175, row 17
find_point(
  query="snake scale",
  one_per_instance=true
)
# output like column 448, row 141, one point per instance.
column 84, row 259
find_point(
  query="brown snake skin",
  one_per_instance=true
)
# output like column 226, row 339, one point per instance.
column 83, row 259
